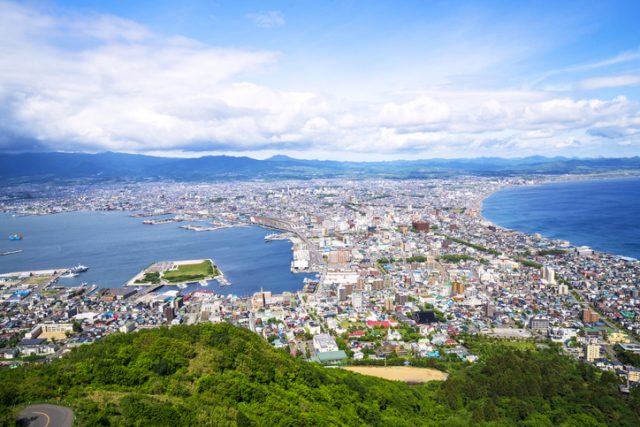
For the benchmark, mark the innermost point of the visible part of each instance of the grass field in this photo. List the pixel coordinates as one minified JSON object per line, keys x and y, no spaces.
{"x":187,"y":272}
{"x":406,"y":374}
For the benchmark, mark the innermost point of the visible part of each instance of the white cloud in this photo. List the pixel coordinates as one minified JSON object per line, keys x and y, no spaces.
{"x":99,"y":83}
{"x":269,"y":19}
{"x":611,"y":81}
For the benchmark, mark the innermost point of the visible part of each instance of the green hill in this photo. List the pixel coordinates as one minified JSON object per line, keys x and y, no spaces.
{"x":216,"y":375}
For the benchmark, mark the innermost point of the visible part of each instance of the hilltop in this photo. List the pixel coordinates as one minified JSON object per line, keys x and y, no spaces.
{"x":47,"y":167}
{"x":223,"y":375}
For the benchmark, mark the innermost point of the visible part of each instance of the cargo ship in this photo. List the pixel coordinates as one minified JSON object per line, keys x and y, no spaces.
{"x":15,"y":237}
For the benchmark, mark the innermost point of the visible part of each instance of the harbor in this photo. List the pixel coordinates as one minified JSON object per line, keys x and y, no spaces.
{"x":101,"y":240}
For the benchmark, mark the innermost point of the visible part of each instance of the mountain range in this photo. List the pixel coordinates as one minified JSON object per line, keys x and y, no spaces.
{"x":109,"y":166}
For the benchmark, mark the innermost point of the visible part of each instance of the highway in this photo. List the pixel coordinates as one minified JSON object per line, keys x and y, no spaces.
{"x":46,"y":416}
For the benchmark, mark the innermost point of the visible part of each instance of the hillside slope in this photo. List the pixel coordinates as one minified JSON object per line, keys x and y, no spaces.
{"x":221,"y":375}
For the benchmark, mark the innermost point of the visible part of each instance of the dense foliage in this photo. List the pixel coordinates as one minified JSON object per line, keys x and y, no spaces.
{"x":222,"y":375}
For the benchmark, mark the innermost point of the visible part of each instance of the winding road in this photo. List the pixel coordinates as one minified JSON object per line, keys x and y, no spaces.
{"x":45,"y":416}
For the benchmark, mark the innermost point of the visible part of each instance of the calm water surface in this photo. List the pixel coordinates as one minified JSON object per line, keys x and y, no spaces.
{"x":116,"y":247}
{"x":602,"y":214}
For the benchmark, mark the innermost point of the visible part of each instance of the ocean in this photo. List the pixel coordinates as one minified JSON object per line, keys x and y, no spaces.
{"x":602,"y":214}
{"x":115,"y":247}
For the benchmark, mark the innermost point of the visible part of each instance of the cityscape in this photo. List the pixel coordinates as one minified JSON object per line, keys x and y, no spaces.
{"x":403,"y":270}
{"x":303,"y":214}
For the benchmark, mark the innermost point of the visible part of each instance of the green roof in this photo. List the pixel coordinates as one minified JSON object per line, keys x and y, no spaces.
{"x":328,"y":356}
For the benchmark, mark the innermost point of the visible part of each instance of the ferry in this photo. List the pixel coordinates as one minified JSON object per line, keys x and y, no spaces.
{"x":222,"y":281}
{"x":182,"y":286}
{"x":204,"y":283}
{"x":15,"y":237}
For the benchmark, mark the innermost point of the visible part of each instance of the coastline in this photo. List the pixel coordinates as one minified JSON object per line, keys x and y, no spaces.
{"x":561,"y":180}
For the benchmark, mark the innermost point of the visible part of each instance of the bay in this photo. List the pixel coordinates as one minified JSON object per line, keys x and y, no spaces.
{"x":115,"y":247}
{"x":602,"y":214}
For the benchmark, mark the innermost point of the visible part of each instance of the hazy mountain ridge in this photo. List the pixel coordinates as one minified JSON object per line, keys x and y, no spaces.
{"x":27,"y":167}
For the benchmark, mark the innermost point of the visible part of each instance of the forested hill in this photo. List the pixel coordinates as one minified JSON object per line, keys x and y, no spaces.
{"x":47,"y":167}
{"x":216,"y":375}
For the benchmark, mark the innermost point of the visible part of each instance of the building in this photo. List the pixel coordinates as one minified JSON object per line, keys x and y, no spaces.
{"x":420,"y":226}
{"x":388,"y":304}
{"x":401,"y":299}
{"x":549,"y":275}
{"x":563,"y":289}
{"x":489,"y":310}
{"x":339,"y":257}
{"x":540,"y":323}
{"x":356,"y":300}
{"x":168,"y":312}
{"x":457,"y":289}
{"x":323,"y":343}
{"x":590,"y":316}
{"x":330,"y":358}
{"x":592,"y":351}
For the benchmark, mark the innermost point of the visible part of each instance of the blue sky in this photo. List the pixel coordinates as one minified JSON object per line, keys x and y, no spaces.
{"x":338,"y":79}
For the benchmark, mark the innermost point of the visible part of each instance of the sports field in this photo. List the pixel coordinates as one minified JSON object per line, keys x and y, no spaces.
{"x":406,"y":374}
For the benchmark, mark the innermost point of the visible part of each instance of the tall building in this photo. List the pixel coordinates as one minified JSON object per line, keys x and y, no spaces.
{"x":590,"y":316}
{"x":563,"y":289}
{"x":489,"y":310}
{"x":400,"y":299}
{"x":549,"y":275}
{"x":592,"y":351}
{"x":356,"y":300}
{"x":457,"y":288}
{"x":388,"y":304}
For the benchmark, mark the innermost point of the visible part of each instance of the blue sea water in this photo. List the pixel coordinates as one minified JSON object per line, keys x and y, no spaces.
{"x":603,"y":214}
{"x":116,"y":247}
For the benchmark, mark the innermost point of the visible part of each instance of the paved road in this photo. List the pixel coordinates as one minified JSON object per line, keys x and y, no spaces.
{"x":46,"y":416}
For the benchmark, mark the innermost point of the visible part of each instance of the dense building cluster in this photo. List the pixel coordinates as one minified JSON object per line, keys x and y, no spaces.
{"x":404,"y":269}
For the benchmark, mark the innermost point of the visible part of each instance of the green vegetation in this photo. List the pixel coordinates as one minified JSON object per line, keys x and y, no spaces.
{"x":627,"y":357}
{"x":150,"y":278}
{"x":472,"y":245}
{"x":455,"y":258}
{"x":417,"y":258}
{"x":214,"y":375}
{"x":529,"y":263}
{"x":553,"y":252}
{"x":187,"y":272}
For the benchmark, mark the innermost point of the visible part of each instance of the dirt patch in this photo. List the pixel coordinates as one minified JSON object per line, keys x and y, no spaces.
{"x":406,"y":374}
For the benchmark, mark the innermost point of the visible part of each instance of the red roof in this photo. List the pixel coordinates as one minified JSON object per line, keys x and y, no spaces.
{"x":374,"y":323}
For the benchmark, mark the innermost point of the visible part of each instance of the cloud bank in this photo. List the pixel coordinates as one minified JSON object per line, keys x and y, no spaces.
{"x":96,"y":83}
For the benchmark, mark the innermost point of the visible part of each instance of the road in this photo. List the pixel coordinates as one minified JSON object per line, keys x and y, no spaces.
{"x":46,"y":416}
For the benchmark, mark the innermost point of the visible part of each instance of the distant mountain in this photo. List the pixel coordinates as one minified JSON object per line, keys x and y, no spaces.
{"x":35,"y":167}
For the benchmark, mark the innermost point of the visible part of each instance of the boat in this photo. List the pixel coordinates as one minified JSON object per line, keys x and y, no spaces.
{"x":222,"y":281}
{"x":15,"y":237}
{"x":11,"y":252}
{"x":182,"y":285}
{"x":69,"y":275}
{"x":79,"y":269}
{"x":204,"y":283}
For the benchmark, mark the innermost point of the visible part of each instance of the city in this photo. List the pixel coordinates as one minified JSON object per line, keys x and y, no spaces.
{"x":405,"y":270}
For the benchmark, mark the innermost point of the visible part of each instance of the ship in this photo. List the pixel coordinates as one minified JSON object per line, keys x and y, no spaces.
{"x":15,"y":237}
{"x":11,"y":252}
{"x":222,"y":281}
{"x":79,"y":269}
{"x":69,"y":275}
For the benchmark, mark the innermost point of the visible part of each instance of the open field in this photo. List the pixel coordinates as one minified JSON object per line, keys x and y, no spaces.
{"x":406,"y":374}
{"x":186,"y":272}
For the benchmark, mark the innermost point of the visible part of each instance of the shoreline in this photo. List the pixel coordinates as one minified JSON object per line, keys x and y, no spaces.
{"x":581,"y":179}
